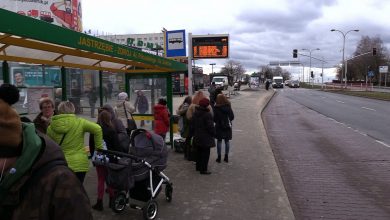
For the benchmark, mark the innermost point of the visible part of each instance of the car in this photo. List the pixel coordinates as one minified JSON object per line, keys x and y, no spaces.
{"x":294,"y":84}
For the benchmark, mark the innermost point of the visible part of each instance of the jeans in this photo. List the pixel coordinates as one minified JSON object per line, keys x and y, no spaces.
{"x":219,"y":145}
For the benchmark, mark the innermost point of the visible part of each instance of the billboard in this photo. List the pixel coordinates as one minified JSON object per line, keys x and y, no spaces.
{"x":210,"y":46}
{"x":65,"y":13}
{"x":176,"y":43}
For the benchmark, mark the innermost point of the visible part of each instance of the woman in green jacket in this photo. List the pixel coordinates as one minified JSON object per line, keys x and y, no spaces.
{"x":68,"y":131}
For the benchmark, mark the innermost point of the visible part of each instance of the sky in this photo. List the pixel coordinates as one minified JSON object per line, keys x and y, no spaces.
{"x":260,"y":31}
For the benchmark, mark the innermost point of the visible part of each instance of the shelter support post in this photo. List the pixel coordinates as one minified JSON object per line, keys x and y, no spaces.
{"x":63,"y":83}
{"x":170,"y":106}
{"x":6,"y":72}
{"x":101,"y":87}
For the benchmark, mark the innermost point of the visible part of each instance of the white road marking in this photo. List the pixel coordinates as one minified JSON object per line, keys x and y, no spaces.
{"x":340,"y":101}
{"x":369,"y":109}
{"x":383,"y":143}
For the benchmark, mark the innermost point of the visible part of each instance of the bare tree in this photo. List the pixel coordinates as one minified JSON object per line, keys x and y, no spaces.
{"x":234,"y":70}
{"x":359,"y":66}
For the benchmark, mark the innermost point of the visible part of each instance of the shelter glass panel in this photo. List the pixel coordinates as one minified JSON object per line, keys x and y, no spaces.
{"x":83,"y":90}
{"x":144,"y":94}
{"x":113,"y":84}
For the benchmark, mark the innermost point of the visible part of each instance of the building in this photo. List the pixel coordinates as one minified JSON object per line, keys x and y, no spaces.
{"x":65,"y":13}
{"x":147,"y":42}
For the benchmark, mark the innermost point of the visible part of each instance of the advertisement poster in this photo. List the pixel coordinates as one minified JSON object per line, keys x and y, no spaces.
{"x":33,"y":76}
{"x":65,"y":13}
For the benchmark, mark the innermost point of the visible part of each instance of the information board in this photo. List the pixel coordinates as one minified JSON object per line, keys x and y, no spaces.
{"x":210,"y":46}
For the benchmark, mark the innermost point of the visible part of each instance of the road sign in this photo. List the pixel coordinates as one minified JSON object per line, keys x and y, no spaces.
{"x":370,"y":73}
{"x":383,"y":69}
{"x":176,"y":43}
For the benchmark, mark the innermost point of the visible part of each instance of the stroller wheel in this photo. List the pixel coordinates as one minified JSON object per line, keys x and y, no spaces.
{"x":150,"y":210}
{"x":119,"y":202}
{"x":168,"y":192}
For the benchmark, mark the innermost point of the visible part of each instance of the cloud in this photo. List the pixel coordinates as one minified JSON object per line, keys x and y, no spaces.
{"x":260,"y":31}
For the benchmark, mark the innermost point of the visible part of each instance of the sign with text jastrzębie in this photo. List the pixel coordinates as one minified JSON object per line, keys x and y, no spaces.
{"x":210,"y":46}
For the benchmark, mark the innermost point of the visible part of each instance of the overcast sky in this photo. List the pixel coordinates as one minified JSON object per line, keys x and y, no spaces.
{"x":260,"y":31}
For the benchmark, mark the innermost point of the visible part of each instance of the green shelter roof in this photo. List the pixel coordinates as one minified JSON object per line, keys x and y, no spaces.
{"x":25,"y":39}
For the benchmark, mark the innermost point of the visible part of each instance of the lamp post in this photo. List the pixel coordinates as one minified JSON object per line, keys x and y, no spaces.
{"x":345,"y":66}
{"x":212,"y":68}
{"x":310,"y":51}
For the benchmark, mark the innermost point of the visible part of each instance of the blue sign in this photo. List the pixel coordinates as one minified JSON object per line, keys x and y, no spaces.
{"x":175,"y":42}
{"x":370,"y":73}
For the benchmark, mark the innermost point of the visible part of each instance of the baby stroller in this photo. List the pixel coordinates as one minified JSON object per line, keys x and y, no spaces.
{"x":138,"y":175}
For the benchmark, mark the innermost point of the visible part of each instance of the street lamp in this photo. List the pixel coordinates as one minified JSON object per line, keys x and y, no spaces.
{"x":310,"y":50}
{"x":345,"y":65}
{"x":212,"y":68}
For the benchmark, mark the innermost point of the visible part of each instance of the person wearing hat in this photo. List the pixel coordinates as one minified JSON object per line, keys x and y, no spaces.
{"x":35,"y":182}
{"x":203,"y":132}
{"x":123,"y":109}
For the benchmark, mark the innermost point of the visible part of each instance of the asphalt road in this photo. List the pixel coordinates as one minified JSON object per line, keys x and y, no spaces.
{"x":329,"y":170}
{"x":367,"y":116}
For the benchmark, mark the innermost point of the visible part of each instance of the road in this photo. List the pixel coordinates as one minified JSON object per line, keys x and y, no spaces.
{"x":367,"y":116}
{"x":330,"y":169}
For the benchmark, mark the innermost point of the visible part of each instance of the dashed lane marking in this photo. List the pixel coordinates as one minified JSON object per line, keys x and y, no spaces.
{"x":369,"y":109}
{"x":340,"y":101}
{"x":383,"y":143}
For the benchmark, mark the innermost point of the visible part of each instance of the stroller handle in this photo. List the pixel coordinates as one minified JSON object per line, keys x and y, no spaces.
{"x":121,"y":154}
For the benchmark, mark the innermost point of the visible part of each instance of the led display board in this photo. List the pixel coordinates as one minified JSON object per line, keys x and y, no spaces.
{"x":210,"y":46}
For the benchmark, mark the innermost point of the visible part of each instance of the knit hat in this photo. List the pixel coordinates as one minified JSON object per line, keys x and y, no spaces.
{"x":204,"y":102}
{"x":10,"y":124}
{"x":122,"y":96}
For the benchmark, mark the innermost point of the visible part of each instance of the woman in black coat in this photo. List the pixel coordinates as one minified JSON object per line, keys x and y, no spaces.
{"x":223,"y":115}
{"x":203,"y":131}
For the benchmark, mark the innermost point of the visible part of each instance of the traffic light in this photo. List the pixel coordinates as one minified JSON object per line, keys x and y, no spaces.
{"x":312,"y":74}
{"x":374,"y":51}
{"x":295,"y":53}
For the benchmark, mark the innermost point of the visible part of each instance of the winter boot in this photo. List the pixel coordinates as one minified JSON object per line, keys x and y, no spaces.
{"x":226,"y":159}
{"x":218,"y":160}
{"x":99,"y":205}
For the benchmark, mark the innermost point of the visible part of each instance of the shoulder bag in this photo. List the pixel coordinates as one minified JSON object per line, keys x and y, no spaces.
{"x":131,"y":125}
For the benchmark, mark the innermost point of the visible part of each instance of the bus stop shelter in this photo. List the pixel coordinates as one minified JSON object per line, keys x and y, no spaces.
{"x":27,"y":41}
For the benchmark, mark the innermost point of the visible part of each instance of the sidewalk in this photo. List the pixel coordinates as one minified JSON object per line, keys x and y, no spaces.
{"x":248,"y":187}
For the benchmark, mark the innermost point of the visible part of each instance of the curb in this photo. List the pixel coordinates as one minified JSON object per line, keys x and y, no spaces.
{"x":282,"y":207}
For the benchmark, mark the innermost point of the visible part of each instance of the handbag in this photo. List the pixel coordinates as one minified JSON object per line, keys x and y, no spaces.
{"x":131,"y":125}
